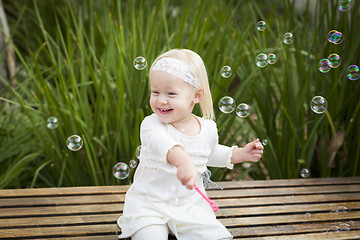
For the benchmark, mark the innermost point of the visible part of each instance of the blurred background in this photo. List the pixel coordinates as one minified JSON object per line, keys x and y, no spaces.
{"x":73,"y":60}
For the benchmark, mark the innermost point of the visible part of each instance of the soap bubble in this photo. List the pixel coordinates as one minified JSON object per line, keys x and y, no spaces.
{"x":344,"y":5}
{"x":121,"y":170}
{"x":353,"y":72}
{"x":227,"y":104}
{"x":261,"y":25}
{"x":264,"y":142}
{"x":243,"y":110}
{"x":324,"y":66}
{"x":271,"y":58}
{"x":74,"y":143}
{"x":342,"y":209}
{"x":344,"y":227}
{"x":133,"y":163}
{"x":335,"y":37}
{"x":140,"y":63}
{"x":319,"y":104}
{"x":332,"y":229}
{"x":261,"y":60}
{"x":52,"y":123}
{"x":226,"y":71}
{"x":138,"y":151}
{"x":334,"y":60}
{"x":304,"y":173}
{"x":288,"y":38}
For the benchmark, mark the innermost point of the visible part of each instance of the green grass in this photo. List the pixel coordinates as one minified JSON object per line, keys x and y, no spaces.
{"x":75,"y":62}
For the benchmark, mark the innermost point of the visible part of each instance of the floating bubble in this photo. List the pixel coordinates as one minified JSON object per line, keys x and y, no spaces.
{"x":52,"y":123}
{"x":140,"y":63}
{"x":227,"y":104}
{"x":304,"y":173}
{"x":74,"y":142}
{"x":243,"y":110}
{"x":319,"y":104}
{"x":271,"y":58}
{"x":133,"y":163}
{"x":121,"y":170}
{"x":264,"y":142}
{"x":308,"y":215}
{"x":138,"y":151}
{"x":344,"y":5}
{"x":342,"y":209}
{"x":334,"y":60}
{"x":261,"y":25}
{"x":226,"y":71}
{"x":288,"y":38}
{"x":324,"y":66}
{"x":353,"y":72}
{"x":261,"y":60}
{"x":335,"y":37}
{"x":332,"y":229}
{"x":344,"y":227}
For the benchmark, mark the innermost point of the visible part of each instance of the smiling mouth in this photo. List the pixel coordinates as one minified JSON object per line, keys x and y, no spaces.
{"x":163,"y":110}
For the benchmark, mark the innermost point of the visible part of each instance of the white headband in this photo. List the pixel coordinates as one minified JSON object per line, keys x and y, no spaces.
{"x":177,"y":68}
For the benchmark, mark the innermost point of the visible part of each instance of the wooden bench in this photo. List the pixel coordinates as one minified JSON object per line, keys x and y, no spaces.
{"x":273,"y":209}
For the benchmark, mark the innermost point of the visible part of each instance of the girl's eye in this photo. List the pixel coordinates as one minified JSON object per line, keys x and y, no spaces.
{"x":155,"y":92}
{"x":172,"y":93}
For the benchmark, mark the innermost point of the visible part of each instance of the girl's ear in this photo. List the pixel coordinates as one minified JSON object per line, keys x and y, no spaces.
{"x":199,"y":94}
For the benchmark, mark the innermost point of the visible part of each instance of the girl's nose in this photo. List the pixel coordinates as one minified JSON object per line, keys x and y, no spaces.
{"x":163,"y":100}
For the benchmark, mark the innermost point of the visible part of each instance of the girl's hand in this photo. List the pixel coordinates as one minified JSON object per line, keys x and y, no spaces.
{"x":187,"y":174}
{"x":252,"y":152}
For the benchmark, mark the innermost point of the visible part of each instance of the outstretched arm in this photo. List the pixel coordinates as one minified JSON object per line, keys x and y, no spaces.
{"x":251,"y":152}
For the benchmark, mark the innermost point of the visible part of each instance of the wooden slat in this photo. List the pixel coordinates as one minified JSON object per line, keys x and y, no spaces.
{"x":58,"y":201}
{"x":117,"y":199}
{"x":54,"y":192}
{"x":122,"y":189}
{"x":101,"y":229}
{"x":278,"y":230}
{"x":116,"y":208}
{"x":311,"y":236}
{"x":284,"y":191}
{"x":290,"y":182}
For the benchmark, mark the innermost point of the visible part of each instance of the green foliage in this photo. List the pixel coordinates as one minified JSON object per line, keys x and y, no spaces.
{"x":76,"y":58}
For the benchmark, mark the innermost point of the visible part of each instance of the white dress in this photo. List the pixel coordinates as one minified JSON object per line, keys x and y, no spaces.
{"x":157,"y":196}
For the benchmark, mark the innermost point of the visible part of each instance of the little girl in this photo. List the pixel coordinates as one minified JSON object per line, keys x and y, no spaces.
{"x":176,"y":147}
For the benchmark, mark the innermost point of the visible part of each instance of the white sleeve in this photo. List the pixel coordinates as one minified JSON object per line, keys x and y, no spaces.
{"x":153,"y":135}
{"x":220,"y":155}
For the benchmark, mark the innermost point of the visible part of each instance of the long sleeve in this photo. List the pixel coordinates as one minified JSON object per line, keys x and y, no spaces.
{"x":153,"y":135}
{"x":221,"y":157}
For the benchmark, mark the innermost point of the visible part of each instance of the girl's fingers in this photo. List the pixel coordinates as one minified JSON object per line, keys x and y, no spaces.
{"x":256,"y":157}
{"x":260,"y":152}
{"x":258,"y":145}
{"x":190,"y":184}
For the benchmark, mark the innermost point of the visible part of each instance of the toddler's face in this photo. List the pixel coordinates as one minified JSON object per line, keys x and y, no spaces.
{"x":172,"y":99}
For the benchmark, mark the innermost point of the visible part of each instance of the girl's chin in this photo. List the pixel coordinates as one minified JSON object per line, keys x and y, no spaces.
{"x":163,"y":119}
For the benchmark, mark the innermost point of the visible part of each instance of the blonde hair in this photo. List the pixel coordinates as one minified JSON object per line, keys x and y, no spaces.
{"x":198,"y":68}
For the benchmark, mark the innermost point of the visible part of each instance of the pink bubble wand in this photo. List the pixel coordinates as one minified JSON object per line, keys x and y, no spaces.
{"x":213,"y":204}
